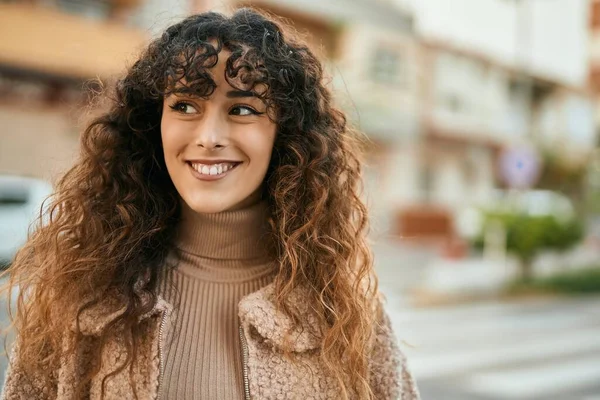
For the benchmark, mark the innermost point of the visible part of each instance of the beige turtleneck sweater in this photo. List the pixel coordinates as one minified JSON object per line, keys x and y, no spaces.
{"x":223,"y":257}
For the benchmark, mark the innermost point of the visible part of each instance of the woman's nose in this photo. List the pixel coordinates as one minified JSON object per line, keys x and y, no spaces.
{"x":211,"y":131}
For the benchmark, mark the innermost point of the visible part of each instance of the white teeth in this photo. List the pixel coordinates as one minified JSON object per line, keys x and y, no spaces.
{"x":213,"y":169}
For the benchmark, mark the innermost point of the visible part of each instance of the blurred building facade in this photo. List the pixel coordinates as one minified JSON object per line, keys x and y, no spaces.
{"x":439,"y":92}
{"x":499,"y":76}
{"x":48,"y":51}
{"x":478,"y":108}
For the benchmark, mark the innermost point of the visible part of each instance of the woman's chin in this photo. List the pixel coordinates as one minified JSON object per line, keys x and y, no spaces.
{"x":209,"y":206}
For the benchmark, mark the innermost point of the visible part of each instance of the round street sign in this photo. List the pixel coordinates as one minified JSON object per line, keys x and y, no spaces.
{"x":520,"y":167}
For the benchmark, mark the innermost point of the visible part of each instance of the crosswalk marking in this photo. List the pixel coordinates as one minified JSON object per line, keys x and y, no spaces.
{"x":538,"y":381}
{"x":490,"y":330}
{"x":485,"y":310}
{"x":458,"y":360}
{"x":505,"y":350}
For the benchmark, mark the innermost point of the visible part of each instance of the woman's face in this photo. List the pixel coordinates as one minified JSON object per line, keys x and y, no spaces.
{"x":217,"y":150}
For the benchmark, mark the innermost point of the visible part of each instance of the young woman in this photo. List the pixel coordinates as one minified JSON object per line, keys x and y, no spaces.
{"x":209,"y":242}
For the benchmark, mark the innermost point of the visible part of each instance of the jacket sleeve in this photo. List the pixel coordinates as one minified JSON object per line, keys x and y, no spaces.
{"x":390,"y":376}
{"x":18,"y":385}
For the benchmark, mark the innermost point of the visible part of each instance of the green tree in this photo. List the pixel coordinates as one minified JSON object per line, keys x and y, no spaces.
{"x":527,"y":235}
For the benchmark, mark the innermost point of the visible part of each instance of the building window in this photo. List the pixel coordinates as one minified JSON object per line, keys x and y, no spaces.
{"x":388,"y":67}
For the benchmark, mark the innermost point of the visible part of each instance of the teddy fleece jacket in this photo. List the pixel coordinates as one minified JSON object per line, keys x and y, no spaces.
{"x":268,"y":374}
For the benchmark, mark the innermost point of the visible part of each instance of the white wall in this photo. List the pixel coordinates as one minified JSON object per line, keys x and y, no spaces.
{"x":36,"y":141}
{"x":156,"y":15}
{"x":471,"y":97}
{"x":387,"y":110}
{"x":579,"y":116}
{"x":463,"y":179}
{"x":391,"y":183}
{"x":567,"y":120}
{"x":449,"y":185}
{"x":558,"y":47}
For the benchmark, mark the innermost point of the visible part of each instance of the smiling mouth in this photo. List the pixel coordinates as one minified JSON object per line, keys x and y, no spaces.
{"x":213,"y":169}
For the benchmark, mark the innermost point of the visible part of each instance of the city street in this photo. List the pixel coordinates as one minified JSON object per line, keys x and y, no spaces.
{"x":527,"y":349}
{"x":534,"y":349}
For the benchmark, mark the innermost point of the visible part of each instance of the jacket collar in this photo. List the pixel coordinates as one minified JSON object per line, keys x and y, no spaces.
{"x":94,"y":319}
{"x":256,"y":310}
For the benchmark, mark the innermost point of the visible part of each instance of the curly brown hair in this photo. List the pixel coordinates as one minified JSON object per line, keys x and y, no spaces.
{"x":113,"y":217}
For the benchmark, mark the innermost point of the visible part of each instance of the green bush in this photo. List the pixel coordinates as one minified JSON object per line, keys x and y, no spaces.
{"x":527,"y":235}
{"x":572,"y":282}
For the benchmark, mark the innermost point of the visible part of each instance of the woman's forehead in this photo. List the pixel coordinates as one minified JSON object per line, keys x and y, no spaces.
{"x":215,"y":73}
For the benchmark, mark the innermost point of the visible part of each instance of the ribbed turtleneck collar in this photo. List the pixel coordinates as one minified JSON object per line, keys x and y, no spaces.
{"x":228,"y":235}
{"x":225,"y":246}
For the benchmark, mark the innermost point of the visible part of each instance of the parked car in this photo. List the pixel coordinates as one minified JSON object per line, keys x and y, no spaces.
{"x":20,"y":202}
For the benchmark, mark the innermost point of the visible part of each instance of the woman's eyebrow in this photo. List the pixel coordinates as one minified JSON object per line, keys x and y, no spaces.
{"x":233,"y":94}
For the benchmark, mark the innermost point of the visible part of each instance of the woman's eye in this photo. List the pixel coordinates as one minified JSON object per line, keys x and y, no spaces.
{"x":243,"y":110}
{"x":184,"y":108}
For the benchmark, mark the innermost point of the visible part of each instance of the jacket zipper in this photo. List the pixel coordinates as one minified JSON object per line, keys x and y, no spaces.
{"x":161,"y":359}
{"x":245,"y":364}
{"x":160,"y":355}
